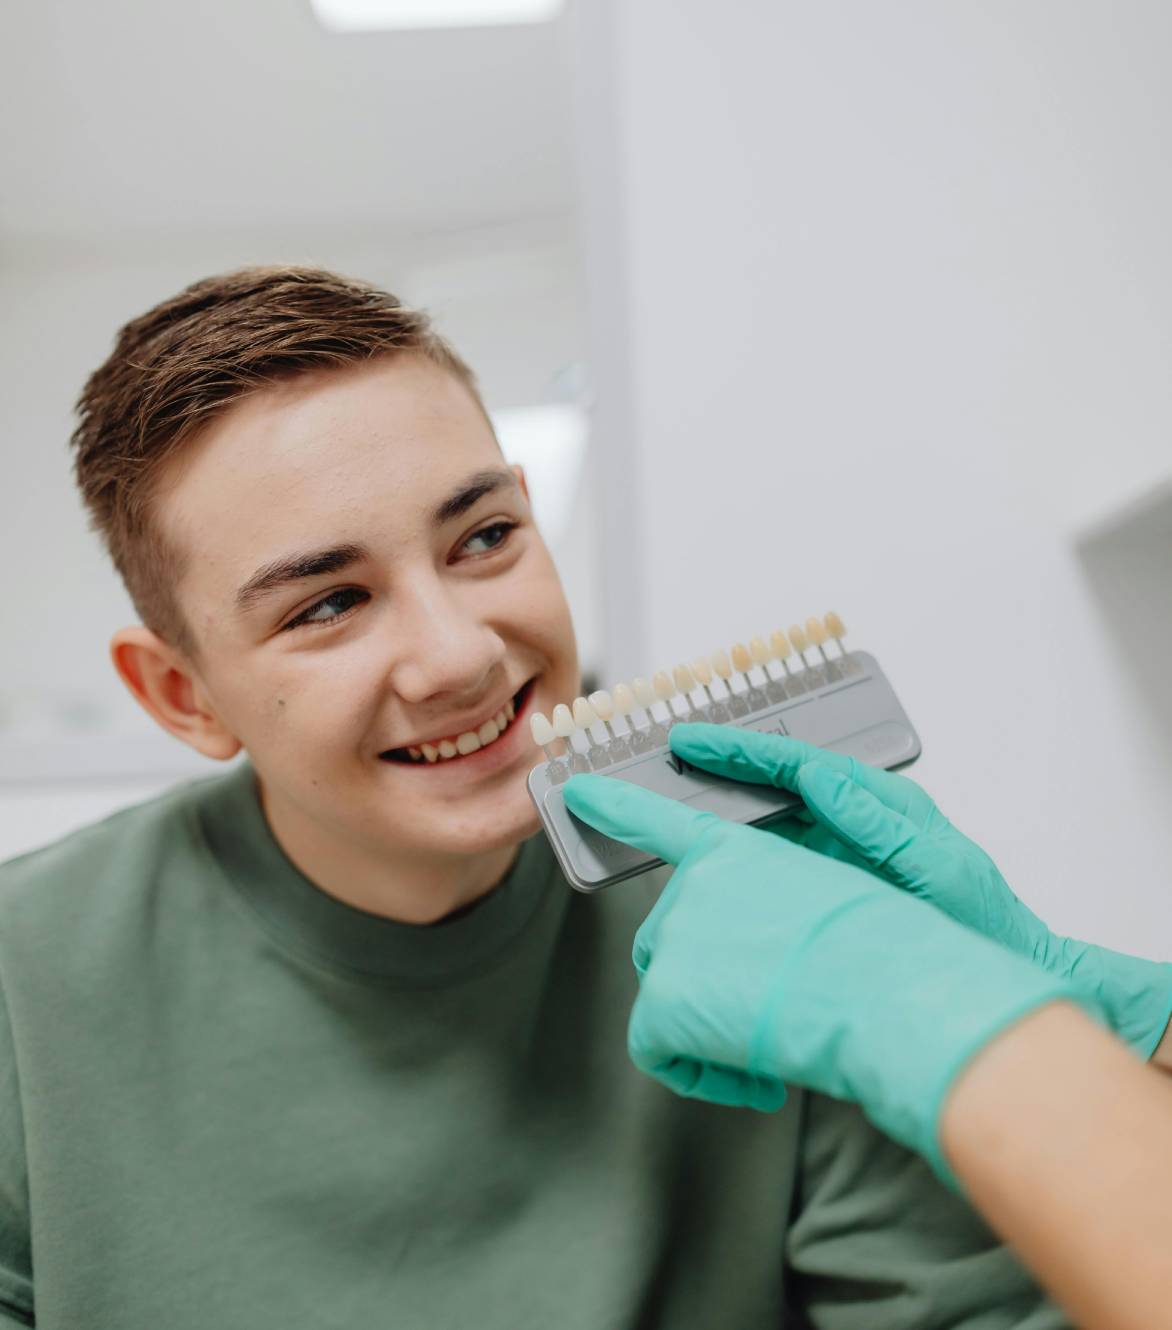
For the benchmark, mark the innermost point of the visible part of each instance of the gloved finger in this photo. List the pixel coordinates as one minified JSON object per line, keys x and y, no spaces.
{"x":887,"y":842}
{"x":627,"y":812}
{"x":775,"y":759}
{"x":694,"y":1078}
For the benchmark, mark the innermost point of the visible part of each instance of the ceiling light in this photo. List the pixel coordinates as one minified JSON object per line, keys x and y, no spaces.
{"x":378,"y":15}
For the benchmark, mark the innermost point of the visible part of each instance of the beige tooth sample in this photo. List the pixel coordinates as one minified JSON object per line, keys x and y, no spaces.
{"x":487,"y":732}
{"x":466,"y":743}
{"x":741,"y":659}
{"x":643,"y":694}
{"x":430,"y":752}
{"x":664,"y":688}
{"x":624,"y":699}
{"x":780,"y":644}
{"x":797,"y":636}
{"x":816,"y":631}
{"x":602,"y":704}
{"x":563,"y":721}
{"x":702,"y":669}
{"x":541,"y":730}
{"x":583,"y":714}
{"x":721,"y":665}
{"x":447,"y":748}
{"x":684,"y":679}
{"x":759,"y":651}
{"x":834,"y":625}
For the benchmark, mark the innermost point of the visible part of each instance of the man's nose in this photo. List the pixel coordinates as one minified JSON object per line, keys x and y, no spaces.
{"x":441,"y":647}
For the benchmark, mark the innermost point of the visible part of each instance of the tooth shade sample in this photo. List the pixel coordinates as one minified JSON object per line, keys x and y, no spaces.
{"x":563,"y":721}
{"x":834,"y":625}
{"x":780,"y":644}
{"x":741,"y":659}
{"x":643,"y":694}
{"x":664,"y":689}
{"x":468,"y":742}
{"x":720,"y":664}
{"x":816,"y":631}
{"x":487,"y":732}
{"x":683,"y":679}
{"x":602,"y":704}
{"x":703,"y":671}
{"x":798,"y":637}
{"x":758,"y":650}
{"x":624,"y":699}
{"x":448,"y":749}
{"x":583,"y":713}
{"x":541,"y":730}
{"x":430,"y":752}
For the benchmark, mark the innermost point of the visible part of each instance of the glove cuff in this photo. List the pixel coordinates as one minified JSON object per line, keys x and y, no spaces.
{"x":1134,"y":994}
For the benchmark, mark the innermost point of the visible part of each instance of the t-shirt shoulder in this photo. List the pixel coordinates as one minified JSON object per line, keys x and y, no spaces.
{"x":117,"y":854}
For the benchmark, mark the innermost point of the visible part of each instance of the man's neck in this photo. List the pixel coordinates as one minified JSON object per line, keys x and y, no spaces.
{"x":410,"y":889}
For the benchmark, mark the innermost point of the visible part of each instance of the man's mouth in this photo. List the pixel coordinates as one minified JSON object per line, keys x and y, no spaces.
{"x":451,"y":747}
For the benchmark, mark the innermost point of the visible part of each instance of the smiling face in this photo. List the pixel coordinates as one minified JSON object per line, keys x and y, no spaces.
{"x":364,"y":577}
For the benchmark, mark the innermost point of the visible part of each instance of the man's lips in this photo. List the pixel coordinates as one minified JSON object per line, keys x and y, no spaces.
{"x":466,"y":741}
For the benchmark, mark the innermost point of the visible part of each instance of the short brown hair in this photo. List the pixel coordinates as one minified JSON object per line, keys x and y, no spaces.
{"x":178,"y":366}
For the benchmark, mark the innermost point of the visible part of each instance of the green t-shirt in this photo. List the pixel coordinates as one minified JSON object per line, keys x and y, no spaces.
{"x":229,"y":1100}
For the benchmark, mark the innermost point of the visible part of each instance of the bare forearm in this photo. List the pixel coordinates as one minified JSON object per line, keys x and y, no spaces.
{"x":1063,"y":1141}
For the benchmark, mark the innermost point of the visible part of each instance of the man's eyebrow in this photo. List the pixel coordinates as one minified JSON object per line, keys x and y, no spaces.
{"x":471,"y":491}
{"x":296,"y":568}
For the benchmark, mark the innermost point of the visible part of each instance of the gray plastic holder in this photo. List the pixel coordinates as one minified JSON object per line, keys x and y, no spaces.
{"x":854,"y":711}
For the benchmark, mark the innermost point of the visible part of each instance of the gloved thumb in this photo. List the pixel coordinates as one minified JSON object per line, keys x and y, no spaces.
{"x":628,"y":812}
{"x":886,"y":841}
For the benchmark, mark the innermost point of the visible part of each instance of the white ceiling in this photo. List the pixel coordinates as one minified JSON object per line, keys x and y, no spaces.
{"x":127,"y":116}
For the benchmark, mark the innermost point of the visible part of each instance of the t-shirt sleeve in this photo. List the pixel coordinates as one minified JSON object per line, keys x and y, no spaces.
{"x":16,"y":1283}
{"x":877,"y":1241}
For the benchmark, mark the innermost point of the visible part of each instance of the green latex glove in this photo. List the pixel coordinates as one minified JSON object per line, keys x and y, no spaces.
{"x":890,"y":825}
{"x":763,"y":962}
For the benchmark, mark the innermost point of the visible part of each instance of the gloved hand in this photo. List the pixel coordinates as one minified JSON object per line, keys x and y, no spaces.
{"x":763,"y":962}
{"x":890,"y":825}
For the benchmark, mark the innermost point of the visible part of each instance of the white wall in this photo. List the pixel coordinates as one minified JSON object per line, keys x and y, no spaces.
{"x":900,"y":302}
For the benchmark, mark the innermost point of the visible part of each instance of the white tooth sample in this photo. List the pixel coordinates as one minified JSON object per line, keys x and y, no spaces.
{"x":664,"y":688}
{"x":780,"y":644}
{"x":414,"y":752}
{"x":541,"y":730}
{"x":563,"y":721}
{"x":834,"y":625}
{"x":741,"y":659}
{"x":583,"y":714}
{"x":797,"y":636}
{"x":602,"y":704}
{"x":643,"y":694}
{"x":468,"y":742}
{"x":487,"y":732}
{"x":703,"y":671}
{"x":758,"y":650}
{"x":721,"y":666}
{"x":624,"y":699}
{"x":501,"y":720}
{"x":430,"y":751}
{"x":816,"y":631}
{"x":447,"y":748}
{"x":684,"y":679}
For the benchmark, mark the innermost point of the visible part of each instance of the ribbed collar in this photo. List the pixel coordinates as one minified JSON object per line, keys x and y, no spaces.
{"x":353,"y":941}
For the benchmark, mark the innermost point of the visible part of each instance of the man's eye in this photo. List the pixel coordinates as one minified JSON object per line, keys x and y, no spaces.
{"x":331,"y":608}
{"x":489,"y":537}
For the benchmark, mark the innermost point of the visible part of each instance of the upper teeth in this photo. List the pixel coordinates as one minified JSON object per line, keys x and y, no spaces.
{"x":468,"y":742}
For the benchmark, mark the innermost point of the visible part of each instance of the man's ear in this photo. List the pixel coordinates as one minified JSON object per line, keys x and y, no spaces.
{"x":165,"y":686}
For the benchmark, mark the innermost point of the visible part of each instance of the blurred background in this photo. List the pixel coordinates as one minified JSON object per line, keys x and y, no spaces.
{"x":785,"y":307}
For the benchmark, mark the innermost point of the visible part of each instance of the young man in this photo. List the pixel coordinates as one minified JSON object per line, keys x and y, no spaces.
{"x":327,"y":1041}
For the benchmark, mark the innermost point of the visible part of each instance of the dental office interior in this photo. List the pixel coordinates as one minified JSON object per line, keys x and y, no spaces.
{"x":784,"y":309}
